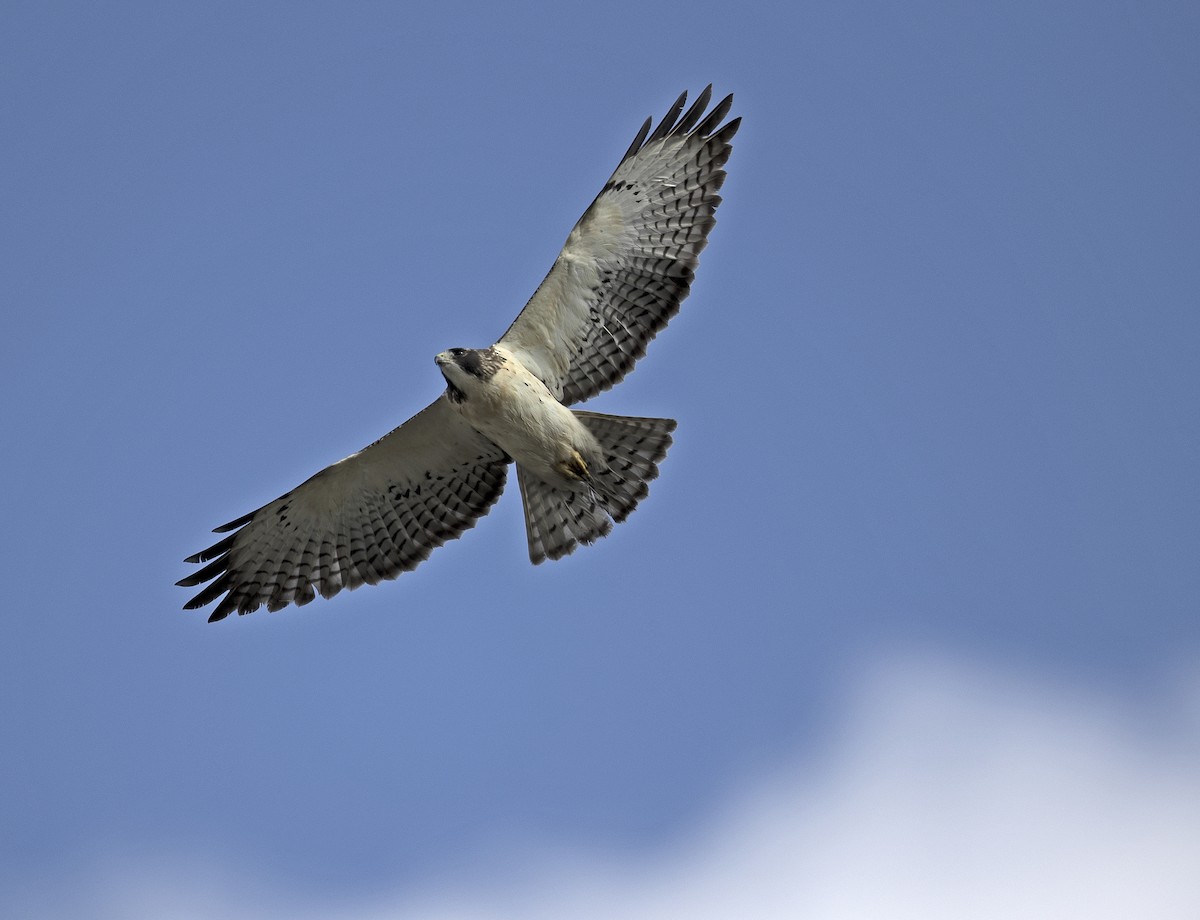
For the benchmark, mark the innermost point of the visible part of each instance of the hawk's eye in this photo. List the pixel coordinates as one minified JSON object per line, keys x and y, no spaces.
{"x":458,"y":352}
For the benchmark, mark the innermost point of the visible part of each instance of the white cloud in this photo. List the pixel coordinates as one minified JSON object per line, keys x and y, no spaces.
{"x":953,"y":793}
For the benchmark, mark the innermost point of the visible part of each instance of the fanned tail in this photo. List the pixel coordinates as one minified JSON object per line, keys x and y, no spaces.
{"x":558,"y":520}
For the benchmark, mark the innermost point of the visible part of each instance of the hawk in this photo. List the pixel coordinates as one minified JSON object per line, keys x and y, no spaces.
{"x":619,"y":279}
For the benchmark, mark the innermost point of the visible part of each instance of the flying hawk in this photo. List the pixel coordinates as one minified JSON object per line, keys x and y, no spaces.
{"x":620,"y":277}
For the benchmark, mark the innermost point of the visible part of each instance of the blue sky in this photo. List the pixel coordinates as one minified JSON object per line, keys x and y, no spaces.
{"x":926,"y":543}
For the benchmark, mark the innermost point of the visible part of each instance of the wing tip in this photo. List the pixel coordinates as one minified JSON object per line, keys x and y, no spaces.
{"x":677,"y":123}
{"x":638,"y":140}
{"x":240,"y":522}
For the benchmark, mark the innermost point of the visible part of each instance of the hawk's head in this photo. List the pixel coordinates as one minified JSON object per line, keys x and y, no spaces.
{"x":467,"y":368}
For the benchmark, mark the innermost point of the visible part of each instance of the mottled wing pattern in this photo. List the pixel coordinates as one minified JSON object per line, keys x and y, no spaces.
{"x":377,"y":513}
{"x":631,"y":258}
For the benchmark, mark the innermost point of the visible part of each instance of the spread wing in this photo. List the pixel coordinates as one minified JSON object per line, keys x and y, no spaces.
{"x":630,"y":259}
{"x":377,"y":513}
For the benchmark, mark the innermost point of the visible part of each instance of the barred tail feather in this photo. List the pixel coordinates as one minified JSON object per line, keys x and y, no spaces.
{"x":558,"y":520}
{"x":633,"y":448}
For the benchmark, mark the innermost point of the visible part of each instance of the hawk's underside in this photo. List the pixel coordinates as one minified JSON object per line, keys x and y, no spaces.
{"x":618,"y":280}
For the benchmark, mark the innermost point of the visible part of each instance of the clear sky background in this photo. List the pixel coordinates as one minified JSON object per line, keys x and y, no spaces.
{"x":908,"y":626}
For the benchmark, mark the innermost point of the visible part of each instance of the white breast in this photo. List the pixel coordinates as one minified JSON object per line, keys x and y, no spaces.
{"x":516,"y":411}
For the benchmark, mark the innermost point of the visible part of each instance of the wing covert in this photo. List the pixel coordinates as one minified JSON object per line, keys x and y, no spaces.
{"x":630,"y":260}
{"x":369,"y":517}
